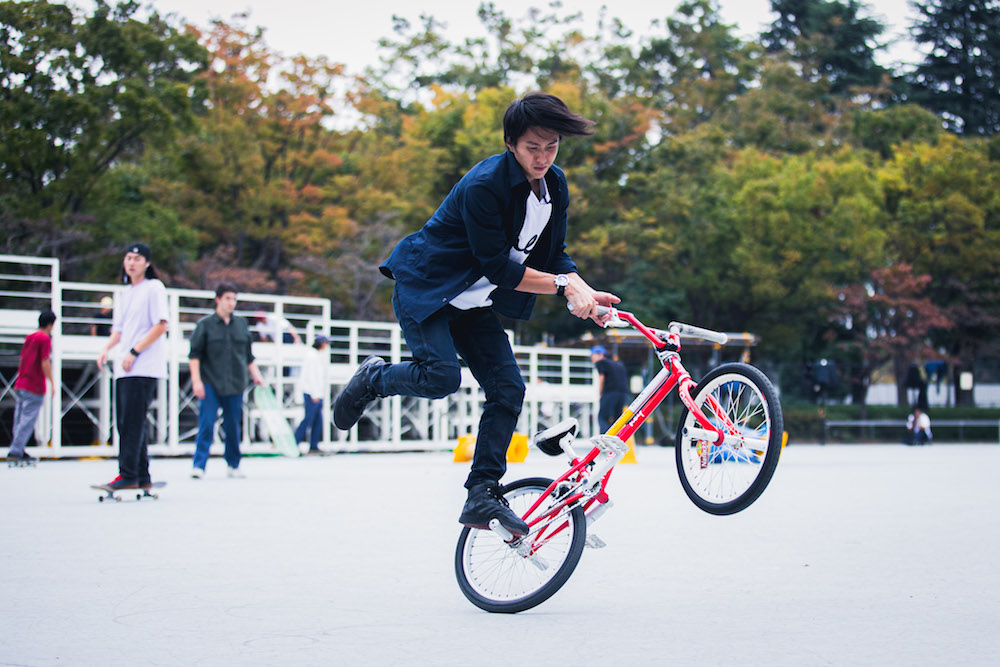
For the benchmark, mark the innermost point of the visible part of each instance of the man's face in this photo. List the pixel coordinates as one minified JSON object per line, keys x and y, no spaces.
{"x":535,"y":151}
{"x":225,"y":304}
{"x":135,"y":266}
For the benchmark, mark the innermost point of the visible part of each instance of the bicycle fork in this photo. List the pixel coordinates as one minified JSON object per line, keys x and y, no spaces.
{"x":583,"y":483}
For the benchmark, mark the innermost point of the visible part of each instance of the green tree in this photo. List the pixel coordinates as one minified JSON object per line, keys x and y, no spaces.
{"x":882,"y":130}
{"x":959,"y":78}
{"x":889,"y":317}
{"x":943,"y":200}
{"x":695,"y":69}
{"x":784,"y":230}
{"x":830,"y":39}
{"x":80,"y":95}
{"x":784,"y":113}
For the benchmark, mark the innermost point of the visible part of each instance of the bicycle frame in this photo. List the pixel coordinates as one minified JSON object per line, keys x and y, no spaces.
{"x":610,"y":447}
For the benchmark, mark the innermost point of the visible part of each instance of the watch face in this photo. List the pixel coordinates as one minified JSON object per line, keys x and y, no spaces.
{"x":561,"y":281}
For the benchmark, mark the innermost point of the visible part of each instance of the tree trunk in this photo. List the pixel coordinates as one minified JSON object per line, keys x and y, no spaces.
{"x":900,"y":366}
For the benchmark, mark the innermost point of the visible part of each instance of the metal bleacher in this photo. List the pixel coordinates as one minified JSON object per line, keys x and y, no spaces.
{"x":78,"y":421}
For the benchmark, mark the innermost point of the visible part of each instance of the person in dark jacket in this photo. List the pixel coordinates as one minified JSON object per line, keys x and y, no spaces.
{"x":497,"y":241}
{"x":612,"y":386}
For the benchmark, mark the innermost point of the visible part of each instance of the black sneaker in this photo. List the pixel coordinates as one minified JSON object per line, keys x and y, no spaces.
{"x":356,"y":395}
{"x":485,"y":502}
{"x":24,"y":459}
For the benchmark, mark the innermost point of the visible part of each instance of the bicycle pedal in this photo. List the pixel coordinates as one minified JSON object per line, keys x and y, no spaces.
{"x":594,"y":542}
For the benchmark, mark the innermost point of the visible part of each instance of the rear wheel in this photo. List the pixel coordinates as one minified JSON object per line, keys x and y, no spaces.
{"x":500,"y":577}
{"x":728,"y":478}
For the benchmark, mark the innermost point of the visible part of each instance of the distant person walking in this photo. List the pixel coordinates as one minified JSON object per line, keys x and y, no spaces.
{"x":220,"y":360}
{"x":312,"y":382}
{"x":33,"y":369}
{"x":138,"y":324}
{"x":613,"y":385}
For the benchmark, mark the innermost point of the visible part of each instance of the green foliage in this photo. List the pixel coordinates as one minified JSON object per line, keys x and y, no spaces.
{"x":959,"y":78}
{"x":830,"y":39}
{"x":82,"y":94}
{"x":733,"y":184}
{"x":881,"y":130}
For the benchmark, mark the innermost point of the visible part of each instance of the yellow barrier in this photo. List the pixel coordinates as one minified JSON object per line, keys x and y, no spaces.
{"x":517,"y":450}
{"x":464,"y":448}
{"x":630,"y":454}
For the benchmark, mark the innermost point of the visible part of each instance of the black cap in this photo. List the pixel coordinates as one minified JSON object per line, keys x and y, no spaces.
{"x":142,"y":249}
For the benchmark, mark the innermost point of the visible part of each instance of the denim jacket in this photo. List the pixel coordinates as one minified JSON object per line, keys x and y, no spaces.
{"x":470,"y":236}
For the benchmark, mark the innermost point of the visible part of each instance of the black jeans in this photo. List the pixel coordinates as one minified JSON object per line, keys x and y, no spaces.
{"x":610,"y":408}
{"x":133,"y":396}
{"x":478,"y":336}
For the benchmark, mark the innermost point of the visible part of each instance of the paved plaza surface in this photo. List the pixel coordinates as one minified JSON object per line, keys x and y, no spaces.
{"x":855,"y":555}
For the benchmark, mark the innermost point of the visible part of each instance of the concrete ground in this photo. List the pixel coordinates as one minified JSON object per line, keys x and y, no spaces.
{"x":855,"y":555}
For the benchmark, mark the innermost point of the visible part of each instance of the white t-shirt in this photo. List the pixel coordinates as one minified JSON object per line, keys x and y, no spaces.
{"x":312,"y":381}
{"x":923,"y":424}
{"x":137,"y":309}
{"x":536,"y":217}
{"x":272,"y":328}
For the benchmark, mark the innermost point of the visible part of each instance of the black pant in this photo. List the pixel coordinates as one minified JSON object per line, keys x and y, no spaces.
{"x":610,"y":408}
{"x":133,"y":396}
{"x":478,"y":336}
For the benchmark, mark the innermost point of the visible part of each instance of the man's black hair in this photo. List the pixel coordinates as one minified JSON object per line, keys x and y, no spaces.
{"x":225,"y":288}
{"x":545,"y":111}
{"x":46,"y":318}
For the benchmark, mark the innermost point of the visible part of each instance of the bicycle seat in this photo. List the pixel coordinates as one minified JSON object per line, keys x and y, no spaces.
{"x":549,"y":440}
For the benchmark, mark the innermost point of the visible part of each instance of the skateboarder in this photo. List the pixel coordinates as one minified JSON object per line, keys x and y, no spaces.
{"x":33,"y":369}
{"x":138,"y":323}
{"x":220,"y":359}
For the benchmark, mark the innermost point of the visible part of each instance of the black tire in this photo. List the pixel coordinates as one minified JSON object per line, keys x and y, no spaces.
{"x":728,"y":479}
{"x":497,"y":578}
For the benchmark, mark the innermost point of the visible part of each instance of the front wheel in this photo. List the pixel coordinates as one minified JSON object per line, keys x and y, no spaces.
{"x":508,"y":578}
{"x":727,"y":478}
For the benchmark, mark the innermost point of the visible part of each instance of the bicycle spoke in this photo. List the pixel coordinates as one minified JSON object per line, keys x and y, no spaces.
{"x":498,"y":576}
{"x":726,"y":477}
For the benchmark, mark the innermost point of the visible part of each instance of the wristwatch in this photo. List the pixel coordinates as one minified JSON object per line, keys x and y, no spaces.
{"x":561,"y":282}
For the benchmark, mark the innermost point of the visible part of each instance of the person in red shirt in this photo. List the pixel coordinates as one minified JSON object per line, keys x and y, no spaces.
{"x":33,"y":369}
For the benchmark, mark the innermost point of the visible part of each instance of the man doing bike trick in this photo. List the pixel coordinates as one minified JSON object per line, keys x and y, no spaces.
{"x":496,"y":241}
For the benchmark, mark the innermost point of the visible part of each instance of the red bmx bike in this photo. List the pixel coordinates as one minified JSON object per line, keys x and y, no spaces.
{"x":728,"y":442}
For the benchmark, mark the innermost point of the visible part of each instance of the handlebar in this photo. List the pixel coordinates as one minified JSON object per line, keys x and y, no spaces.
{"x":678,"y":328}
{"x":682,"y":329}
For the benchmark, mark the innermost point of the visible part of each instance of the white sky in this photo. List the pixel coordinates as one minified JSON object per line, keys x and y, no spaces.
{"x":348,"y":32}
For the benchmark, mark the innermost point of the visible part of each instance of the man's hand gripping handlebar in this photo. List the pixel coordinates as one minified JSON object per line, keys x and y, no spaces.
{"x":609,"y":318}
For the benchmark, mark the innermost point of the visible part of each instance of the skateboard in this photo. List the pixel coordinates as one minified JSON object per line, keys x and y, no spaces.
{"x":278,"y":430}
{"x":18,"y":463}
{"x":114,"y":494}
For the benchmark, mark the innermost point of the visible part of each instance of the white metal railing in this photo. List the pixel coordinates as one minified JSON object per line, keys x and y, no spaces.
{"x":79,"y":420}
